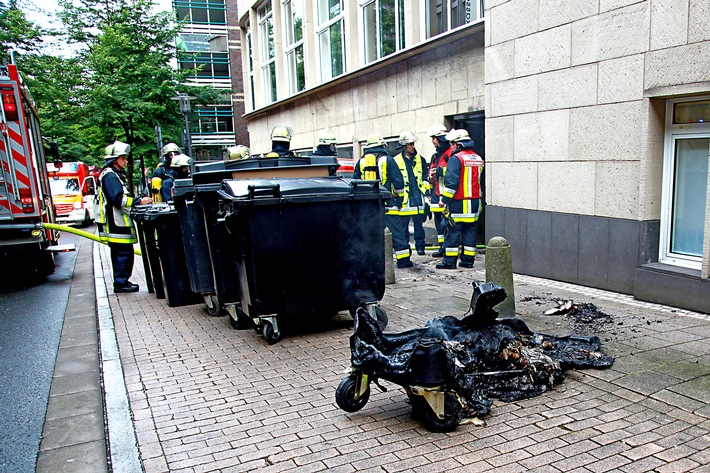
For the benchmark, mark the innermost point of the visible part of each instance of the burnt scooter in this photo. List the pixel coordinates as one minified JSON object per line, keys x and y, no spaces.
{"x":418,"y":361}
{"x":452,"y":367}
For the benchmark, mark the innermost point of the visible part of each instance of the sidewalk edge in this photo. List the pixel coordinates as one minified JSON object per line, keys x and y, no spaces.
{"x":122,"y":443}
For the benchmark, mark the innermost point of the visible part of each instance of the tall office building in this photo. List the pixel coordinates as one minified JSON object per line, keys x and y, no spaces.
{"x":205,"y":49}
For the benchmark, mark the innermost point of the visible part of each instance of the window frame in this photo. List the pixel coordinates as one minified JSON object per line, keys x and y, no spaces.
{"x":674,"y":133}
{"x":292,"y":46}
{"x":322,"y":30}
{"x":197,"y":5}
{"x":448,"y":6}
{"x":266,"y":39}
{"x":378,"y":38}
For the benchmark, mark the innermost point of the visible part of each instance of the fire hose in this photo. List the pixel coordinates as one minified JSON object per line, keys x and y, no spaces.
{"x":81,"y":233}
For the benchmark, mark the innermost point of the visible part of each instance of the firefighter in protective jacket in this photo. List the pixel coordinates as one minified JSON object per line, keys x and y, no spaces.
{"x":159,"y":175}
{"x":377,"y":165}
{"x":115,"y":224}
{"x":461,"y":199}
{"x":281,"y":142}
{"x":437,"y":171}
{"x":416,"y":186}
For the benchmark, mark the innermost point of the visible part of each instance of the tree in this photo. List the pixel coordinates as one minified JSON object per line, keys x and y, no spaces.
{"x":119,"y":84}
{"x":16,"y":32}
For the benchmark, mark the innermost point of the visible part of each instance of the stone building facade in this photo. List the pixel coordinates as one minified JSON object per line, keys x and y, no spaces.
{"x":591,"y":116}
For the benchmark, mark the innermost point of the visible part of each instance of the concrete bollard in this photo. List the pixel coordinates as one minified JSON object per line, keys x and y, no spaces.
{"x":389,"y":259}
{"x":499,"y":270}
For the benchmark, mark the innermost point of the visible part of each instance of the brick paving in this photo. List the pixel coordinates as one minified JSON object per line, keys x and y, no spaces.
{"x":205,"y":397}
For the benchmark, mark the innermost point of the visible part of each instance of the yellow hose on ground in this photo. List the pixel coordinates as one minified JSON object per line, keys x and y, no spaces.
{"x":81,"y":233}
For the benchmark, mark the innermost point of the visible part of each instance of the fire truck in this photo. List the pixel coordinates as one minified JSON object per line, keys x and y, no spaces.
{"x":25,"y":197}
{"x":73,"y":190}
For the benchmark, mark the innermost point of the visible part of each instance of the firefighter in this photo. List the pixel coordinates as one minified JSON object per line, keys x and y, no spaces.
{"x":179,"y":169}
{"x":326,"y":144}
{"x":461,"y":200}
{"x":115,"y":224}
{"x":163,"y":169}
{"x":376,"y":164}
{"x":437,"y":171}
{"x":235,"y":153}
{"x":281,"y":142}
{"x":416,"y":186}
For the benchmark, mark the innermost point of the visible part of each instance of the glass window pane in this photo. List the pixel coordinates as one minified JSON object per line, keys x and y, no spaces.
{"x":300,"y":70}
{"x":199,"y":15}
{"x":217,"y":16}
{"x":387,"y":27}
{"x":272,"y":81}
{"x":370,"y":33}
{"x":689,"y":196}
{"x":436,"y":19}
{"x":691,"y":112}
{"x":336,"y":45}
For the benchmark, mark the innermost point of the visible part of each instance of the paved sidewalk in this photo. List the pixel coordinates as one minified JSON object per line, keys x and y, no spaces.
{"x":206,"y":397}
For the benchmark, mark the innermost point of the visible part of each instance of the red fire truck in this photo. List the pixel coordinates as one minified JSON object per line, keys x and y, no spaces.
{"x":25,"y":197}
{"x":73,"y":190}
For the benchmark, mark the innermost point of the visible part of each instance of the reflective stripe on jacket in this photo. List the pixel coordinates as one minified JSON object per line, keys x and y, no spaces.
{"x":421,"y":184}
{"x":462,"y":185}
{"x":115,"y":223}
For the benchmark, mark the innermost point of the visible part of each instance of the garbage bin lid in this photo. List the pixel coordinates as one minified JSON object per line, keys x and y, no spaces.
{"x":182,"y":187}
{"x":285,"y":187}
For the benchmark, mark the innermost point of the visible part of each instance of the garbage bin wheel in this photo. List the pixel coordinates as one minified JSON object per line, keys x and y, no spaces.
{"x":267,"y":330}
{"x":452,"y":415}
{"x":214,"y":307}
{"x":380,"y":313}
{"x":345,"y":395}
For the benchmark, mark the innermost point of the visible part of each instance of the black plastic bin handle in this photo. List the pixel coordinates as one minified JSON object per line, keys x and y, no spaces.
{"x":367,"y":185}
{"x":264,"y":190}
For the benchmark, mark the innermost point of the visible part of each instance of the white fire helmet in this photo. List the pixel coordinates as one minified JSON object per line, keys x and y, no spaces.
{"x":327,"y":137}
{"x":407,"y":138}
{"x":374,"y":140}
{"x":436,"y":130}
{"x":171,"y":148}
{"x":458,"y":135}
{"x":116,"y":149}
{"x":179,"y":161}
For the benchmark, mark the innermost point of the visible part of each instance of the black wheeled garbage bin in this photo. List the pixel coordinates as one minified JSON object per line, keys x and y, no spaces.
{"x":172,"y":257}
{"x":195,"y":244}
{"x":206,"y":181}
{"x":145,"y":228}
{"x":306,"y":246}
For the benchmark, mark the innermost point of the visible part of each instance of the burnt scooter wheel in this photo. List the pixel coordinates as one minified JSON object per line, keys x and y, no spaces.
{"x":380,"y":314}
{"x":452,"y":415}
{"x":345,"y":395}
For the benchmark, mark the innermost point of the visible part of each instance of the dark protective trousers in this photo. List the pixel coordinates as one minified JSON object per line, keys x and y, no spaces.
{"x":419,"y":235}
{"x":400,"y":240}
{"x":122,"y":262}
{"x":461,"y":234}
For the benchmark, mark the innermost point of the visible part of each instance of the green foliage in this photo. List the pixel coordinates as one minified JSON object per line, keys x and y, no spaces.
{"x":16,"y":32}
{"x":117,"y":86}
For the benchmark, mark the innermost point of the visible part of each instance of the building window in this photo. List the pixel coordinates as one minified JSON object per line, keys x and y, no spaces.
{"x":215,"y":119}
{"x":383,"y":28}
{"x":445,"y":15}
{"x":265,"y":16}
{"x":250,"y":66}
{"x":685,"y":182}
{"x":293,"y":26}
{"x":330,"y":38}
{"x":205,"y":12}
{"x":206,"y":65}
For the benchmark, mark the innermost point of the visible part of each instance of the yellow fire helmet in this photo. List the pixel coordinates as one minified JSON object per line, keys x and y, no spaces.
{"x":238,"y":152}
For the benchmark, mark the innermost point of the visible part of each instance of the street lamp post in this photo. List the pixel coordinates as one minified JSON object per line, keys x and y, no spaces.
{"x":184,"y":100}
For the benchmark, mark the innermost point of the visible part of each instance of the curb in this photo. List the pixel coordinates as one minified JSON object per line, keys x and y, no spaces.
{"x":122,"y":444}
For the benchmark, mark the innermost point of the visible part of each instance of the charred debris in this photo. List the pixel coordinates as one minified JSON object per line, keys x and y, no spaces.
{"x":452,"y":368}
